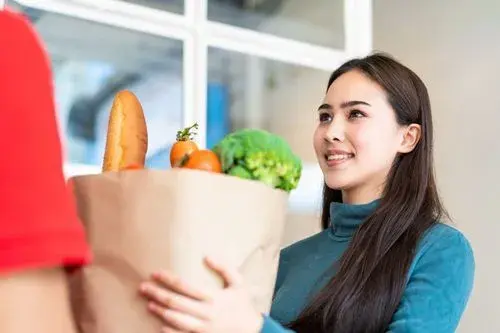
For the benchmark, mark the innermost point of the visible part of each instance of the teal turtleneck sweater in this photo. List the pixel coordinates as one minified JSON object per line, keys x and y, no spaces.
{"x":439,"y":282}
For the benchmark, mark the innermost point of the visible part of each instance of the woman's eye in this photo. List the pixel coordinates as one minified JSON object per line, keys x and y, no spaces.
{"x":324,"y":117}
{"x":356,"y":114}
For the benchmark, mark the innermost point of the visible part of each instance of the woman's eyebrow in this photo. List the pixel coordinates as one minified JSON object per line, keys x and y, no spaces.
{"x":352,"y":103}
{"x":325,"y":106}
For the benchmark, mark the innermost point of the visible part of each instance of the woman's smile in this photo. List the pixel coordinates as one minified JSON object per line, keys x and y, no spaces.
{"x":336,"y":157}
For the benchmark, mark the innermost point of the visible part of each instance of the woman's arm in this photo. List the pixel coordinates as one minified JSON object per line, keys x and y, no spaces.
{"x":439,"y":285}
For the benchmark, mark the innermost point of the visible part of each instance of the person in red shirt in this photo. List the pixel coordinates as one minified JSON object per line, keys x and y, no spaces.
{"x":40,"y":234}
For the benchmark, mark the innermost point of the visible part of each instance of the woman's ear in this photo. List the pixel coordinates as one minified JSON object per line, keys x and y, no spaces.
{"x":411,"y":136}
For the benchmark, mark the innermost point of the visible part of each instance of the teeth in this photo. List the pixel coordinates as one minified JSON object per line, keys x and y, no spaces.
{"x":338,"y":157}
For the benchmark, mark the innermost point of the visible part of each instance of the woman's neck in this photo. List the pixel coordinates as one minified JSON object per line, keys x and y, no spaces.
{"x":361,"y":195}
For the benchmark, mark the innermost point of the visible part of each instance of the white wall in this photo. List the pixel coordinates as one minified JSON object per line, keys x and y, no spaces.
{"x":453,"y":45}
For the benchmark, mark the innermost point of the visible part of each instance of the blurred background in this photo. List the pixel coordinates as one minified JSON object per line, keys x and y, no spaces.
{"x":231,"y":64}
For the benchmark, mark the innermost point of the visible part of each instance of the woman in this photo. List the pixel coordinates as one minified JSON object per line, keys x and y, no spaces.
{"x":40,"y":233}
{"x":384,"y":262}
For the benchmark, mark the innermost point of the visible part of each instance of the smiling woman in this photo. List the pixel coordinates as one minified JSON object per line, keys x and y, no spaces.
{"x":359,"y":135}
{"x":395,"y":266}
{"x":385,"y":261}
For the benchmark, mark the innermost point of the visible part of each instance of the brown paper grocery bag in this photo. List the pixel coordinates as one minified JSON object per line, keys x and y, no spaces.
{"x":139,"y":222}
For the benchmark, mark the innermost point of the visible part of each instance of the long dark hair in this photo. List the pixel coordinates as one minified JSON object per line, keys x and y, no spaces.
{"x":372,"y":273}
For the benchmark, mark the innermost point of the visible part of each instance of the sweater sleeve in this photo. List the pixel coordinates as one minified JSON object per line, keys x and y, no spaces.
{"x":438,"y":288}
{"x":272,"y":326}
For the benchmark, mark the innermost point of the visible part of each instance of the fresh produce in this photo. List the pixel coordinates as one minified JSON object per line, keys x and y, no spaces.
{"x":203,"y":159}
{"x":259,"y":155}
{"x":251,"y":154}
{"x":184,"y":146}
{"x":186,"y":154}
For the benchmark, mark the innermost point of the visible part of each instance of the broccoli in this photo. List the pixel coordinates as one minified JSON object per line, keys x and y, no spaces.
{"x":259,"y":155}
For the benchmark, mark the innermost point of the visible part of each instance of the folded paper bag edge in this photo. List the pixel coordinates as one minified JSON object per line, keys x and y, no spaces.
{"x":228,"y":180}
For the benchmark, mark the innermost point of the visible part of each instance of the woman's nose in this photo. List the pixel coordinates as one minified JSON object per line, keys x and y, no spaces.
{"x":336,"y":131}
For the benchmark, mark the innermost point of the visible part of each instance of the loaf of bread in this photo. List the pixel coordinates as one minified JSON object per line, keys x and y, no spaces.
{"x":127,"y":137}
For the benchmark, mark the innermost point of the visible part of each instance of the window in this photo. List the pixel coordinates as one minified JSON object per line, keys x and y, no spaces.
{"x":174,"y":6}
{"x":225,"y":64}
{"x":319,"y":22}
{"x":91,"y":62}
{"x":250,"y":91}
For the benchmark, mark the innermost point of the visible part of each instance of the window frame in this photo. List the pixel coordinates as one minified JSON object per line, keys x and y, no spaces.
{"x":198,"y":34}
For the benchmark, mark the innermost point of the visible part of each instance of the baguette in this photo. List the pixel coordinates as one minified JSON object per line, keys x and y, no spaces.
{"x":127,"y":137}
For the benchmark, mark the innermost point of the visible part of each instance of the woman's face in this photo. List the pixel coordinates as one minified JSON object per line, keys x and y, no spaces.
{"x":358,"y":137}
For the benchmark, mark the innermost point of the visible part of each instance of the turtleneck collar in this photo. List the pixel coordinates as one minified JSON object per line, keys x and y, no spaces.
{"x":346,"y":218}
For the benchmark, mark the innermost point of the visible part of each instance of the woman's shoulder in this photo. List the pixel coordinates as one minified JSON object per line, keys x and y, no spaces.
{"x":439,"y":283}
{"x":445,"y":235}
{"x":444,"y":243}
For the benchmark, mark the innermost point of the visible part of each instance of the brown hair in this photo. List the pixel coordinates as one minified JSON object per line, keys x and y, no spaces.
{"x":371,"y":275}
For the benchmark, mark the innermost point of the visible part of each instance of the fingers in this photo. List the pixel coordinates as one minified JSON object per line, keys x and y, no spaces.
{"x":177,"y":321}
{"x":174,"y":301}
{"x":231,"y":277}
{"x":177,"y":285}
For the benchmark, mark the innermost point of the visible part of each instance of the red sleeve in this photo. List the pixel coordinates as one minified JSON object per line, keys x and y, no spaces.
{"x":38,"y":222}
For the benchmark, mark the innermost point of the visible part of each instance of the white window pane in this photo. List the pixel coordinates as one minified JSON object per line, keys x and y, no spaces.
{"x":249,"y":91}
{"x":174,"y":6}
{"x":318,"y":22}
{"x":91,"y":63}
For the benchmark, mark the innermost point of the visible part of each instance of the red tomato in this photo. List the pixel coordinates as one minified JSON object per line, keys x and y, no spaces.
{"x":204,"y":160}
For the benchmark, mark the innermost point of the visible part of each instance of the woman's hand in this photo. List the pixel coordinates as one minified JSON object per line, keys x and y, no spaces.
{"x":185,"y":308}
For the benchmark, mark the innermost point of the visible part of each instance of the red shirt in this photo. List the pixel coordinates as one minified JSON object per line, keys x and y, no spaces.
{"x":38,"y":222}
